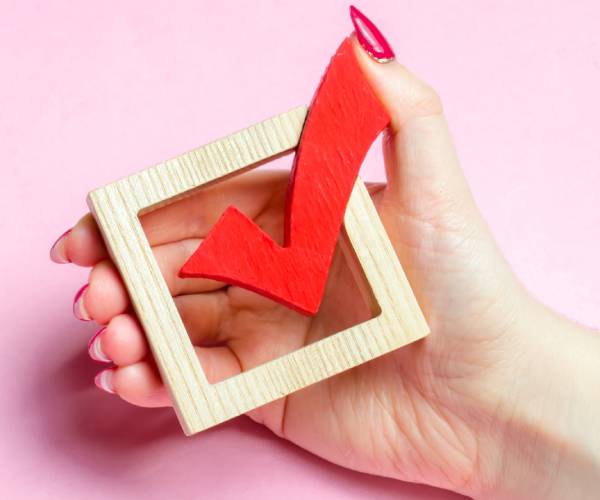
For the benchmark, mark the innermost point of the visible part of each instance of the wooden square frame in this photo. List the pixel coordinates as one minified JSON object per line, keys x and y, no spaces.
{"x":198,"y":403}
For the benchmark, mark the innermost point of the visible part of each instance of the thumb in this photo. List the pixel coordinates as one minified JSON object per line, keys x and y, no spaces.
{"x":445,"y":246}
{"x":423,"y":173}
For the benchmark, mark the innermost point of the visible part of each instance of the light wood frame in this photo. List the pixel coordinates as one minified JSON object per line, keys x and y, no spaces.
{"x":198,"y":403}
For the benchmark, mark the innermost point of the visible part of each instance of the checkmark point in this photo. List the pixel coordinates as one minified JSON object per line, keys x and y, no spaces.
{"x":239,"y":252}
{"x":344,"y":119}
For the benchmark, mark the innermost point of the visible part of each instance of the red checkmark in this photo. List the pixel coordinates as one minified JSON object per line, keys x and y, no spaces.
{"x":344,"y":119}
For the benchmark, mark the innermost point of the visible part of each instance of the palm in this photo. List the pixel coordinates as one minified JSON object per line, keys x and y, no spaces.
{"x":400,"y":398}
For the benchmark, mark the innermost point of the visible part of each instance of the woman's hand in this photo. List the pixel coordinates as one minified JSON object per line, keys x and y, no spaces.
{"x":481,"y":406}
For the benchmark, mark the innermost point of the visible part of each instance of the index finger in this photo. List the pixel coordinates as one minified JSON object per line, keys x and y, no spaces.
{"x":190,"y":217}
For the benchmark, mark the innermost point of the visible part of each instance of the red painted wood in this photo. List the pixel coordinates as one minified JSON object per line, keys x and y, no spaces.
{"x":344,"y":119}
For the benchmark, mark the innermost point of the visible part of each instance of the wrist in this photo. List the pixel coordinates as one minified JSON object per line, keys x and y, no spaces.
{"x":543,"y":437}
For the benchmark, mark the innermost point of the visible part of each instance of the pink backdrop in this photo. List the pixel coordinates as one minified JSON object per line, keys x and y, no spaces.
{"x":92,"y":91}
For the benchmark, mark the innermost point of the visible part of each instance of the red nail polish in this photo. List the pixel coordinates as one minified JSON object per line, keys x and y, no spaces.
{"x":57,"y":252}
{"x":95,"y":348}
{"x":370,"y":38}
{"x":79,"y":310}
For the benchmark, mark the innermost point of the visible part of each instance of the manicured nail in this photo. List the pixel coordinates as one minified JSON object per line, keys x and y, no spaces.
{"x":58,"y":252}
{"x":370,"y":38}
{"x":104,"y":381}
{"x":95,"y":347}
{"x":78,"y":306}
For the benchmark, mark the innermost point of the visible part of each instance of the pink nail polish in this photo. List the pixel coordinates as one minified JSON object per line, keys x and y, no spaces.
{"x":95,"y":347}
{"x":370,"y":38}
{"x":58,"y":252}
{"x":79,"y":310}
{"x":104,"y":381}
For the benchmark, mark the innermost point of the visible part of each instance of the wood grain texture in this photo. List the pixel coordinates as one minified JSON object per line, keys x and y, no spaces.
{"x":198,"y":403}
{"x":344,"y":119}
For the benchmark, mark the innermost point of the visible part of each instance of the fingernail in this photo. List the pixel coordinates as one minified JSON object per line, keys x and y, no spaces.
{"x":58,"y":252}
{"x":78,"y":306}
{"x":95,"y":347}
{"x":370,"y":38}
{"x":104,"y":381}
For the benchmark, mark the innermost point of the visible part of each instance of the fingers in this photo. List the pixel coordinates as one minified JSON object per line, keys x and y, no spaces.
{"x":105,"y":296}
{"x":188,"y":219}
{"x":105,"y":299}
{"x":140,"y":383}
{"x":194,"y":216}
{"x":404,"y":96}
{"x":81,"y":245}
{"x":122,"y":341}
{"x":422,"y":168}
{"x":135,"y":377}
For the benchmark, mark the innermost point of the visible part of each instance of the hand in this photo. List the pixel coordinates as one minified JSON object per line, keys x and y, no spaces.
{"x":446,"y":410}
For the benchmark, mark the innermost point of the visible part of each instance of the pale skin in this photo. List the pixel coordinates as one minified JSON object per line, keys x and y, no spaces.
{"x":499,"y":401}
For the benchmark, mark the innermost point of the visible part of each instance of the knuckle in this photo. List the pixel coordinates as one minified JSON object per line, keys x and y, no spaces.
{"x":426,"y":101}
{"x":418,"y":99}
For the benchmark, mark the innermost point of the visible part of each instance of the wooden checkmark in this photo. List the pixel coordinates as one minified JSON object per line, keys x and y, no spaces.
{"x":344,"y":119}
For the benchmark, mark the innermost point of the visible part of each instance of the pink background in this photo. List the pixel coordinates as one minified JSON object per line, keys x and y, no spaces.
{"x":92,"y":91}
